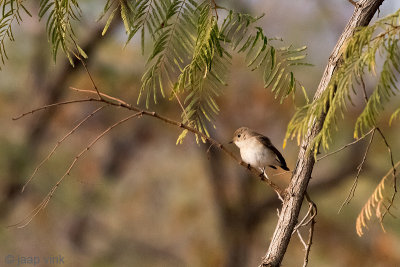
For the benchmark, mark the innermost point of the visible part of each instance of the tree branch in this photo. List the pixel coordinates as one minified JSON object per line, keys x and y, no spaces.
{"x":113,"y":101}
{"x":363,"y":13}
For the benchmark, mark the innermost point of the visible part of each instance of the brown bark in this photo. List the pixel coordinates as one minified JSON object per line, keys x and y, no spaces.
{"x":363,"y":13}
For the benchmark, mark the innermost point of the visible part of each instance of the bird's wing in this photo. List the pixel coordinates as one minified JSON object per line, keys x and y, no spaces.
{"x":265,"y":140}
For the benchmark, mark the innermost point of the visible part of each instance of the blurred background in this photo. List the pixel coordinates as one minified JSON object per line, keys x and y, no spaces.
{"x":136,"y":198}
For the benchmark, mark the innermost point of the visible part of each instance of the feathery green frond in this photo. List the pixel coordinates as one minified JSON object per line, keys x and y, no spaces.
{"x":10,"y":13}
{"x":274,"y":63}
{"x":147,"y":16}
{"x":385,"y":89}
{"x":359,"y":56}
{"x":205,"y":74}
{"x":172,"y":49}
{"x":394,"y":116}
{"x":60,"y":33}
{"x":190,"y":57}
{"x":110,"y":4}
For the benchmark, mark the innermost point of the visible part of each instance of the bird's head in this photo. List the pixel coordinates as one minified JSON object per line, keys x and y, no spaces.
{"x":240,"y":135}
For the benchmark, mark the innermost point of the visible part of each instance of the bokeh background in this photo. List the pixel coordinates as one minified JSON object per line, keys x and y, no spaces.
{"x":136,"y":198}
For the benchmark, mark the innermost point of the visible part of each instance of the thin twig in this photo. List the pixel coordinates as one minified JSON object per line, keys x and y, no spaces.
{"x":359,"y":168}
{"x":309,"y":218}
{"x":181,"y":105}
{"x":46,"y":200}
{"x":215,"y":8}
{"x":309,"y":242}
{"x":53,"y":105}
{"x":390,"y":154}
{"x":302,"y":222}
{"x":58,"y":144}
{"x":266,"y":179}
{"x":311,"y":213}
{"x":88,"y":73}
{"x":311,"y":231}
{"x":301,"y":239}
{"x":102,"y":94}
{"x":347,"y":145}
{"x":393,"y":174}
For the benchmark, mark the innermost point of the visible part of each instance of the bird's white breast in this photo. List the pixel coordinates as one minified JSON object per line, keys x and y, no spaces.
{"x":253,"y":152}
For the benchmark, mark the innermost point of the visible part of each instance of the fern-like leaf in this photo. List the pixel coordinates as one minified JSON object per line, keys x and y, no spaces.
{"x":10,"y":13}
{"x":205,"y":75}
{"x":377,"y":204}
{"x":394,"y":116}
{"x":60,"y":33}
{"x":172,"y":49}
{"x":275,"y":63}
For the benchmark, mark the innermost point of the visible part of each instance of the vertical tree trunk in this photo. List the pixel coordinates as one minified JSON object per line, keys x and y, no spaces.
{"x":363,"y":13}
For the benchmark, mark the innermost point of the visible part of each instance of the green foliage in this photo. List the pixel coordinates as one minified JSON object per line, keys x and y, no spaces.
{"x":59,"y":28}
{"x":191,"y":56}
{"x":359,"y":56}
{"x":191,"y":50}
{"x":275,"y":64}
{"x":203,"y":77}
{"x":10,"y":13}
{"x":172,"y":49}
{"x":394,"y":116}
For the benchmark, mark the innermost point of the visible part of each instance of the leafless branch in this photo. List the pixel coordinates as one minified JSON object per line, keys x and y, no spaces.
{"x":359,"y":169}
{"x":46,"y":200}
{"x":87,"y":71}
{"x":101,"y":94}
{"x":58,"y":144}
{"x":215,"y":8}
{"x":264,"y":177}
{"x":301,"y":239}
{"x":307,"y":218}
{"x":387,"y":210}
{"x":311,"y":231}
{"x":53,"y":105}
{"x":309,"y":242}
{"x":390,"y":155}
{"x":347,"y":145}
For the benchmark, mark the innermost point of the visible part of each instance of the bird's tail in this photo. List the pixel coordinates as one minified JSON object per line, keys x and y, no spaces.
{"x":283,"y":166}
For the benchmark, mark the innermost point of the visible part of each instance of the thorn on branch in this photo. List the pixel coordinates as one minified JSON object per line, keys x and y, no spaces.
{"x":354,"y":3}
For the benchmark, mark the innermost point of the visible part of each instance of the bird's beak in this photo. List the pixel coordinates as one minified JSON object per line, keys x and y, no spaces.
{"x":231,"y":142}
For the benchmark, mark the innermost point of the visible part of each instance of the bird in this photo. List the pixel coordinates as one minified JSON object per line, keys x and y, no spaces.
{"x":257,"y":150}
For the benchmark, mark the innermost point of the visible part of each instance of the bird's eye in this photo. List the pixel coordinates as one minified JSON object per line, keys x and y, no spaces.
{"x":239,"y":135}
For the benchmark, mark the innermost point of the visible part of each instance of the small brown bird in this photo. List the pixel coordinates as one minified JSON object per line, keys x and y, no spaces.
{"x":257,"y":150}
